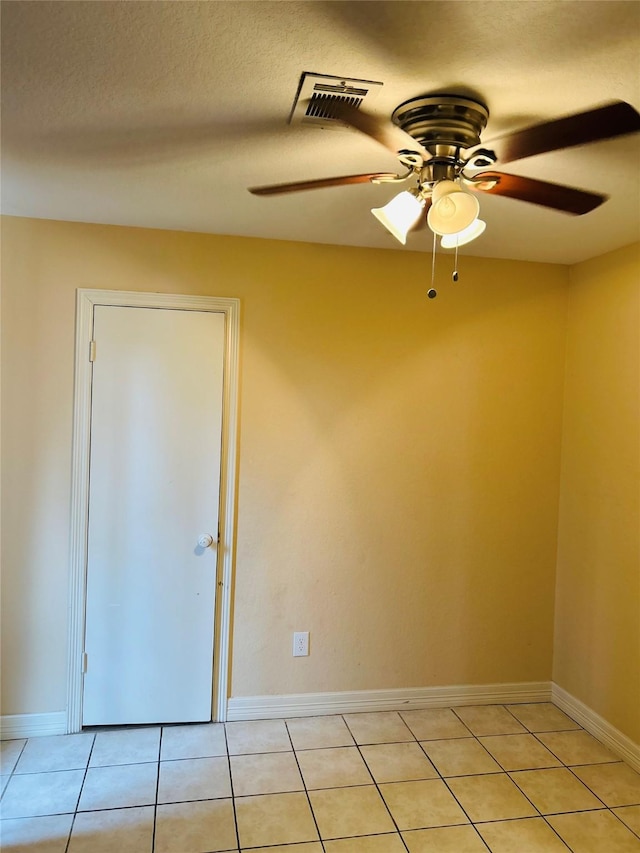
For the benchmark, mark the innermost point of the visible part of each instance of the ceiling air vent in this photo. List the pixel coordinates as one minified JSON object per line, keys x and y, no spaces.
{"x":317,"y":92}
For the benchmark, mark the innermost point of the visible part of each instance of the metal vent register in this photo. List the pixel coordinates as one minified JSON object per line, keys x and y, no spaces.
{"x":317,"y":92}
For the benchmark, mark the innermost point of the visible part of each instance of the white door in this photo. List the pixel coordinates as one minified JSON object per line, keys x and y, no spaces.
{"x":156,"y":419}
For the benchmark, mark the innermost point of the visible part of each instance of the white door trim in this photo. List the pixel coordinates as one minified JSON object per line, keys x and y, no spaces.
{"x":85,"y":301}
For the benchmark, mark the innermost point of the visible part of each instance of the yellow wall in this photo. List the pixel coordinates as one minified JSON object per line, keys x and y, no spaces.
{"x":399,"y":457}
{"x":597,"y":653}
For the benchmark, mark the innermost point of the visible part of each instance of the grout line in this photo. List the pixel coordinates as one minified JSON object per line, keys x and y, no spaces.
{"x":554,"y":830}
{"x":155,"y":805}
{"x":576,"y":811}
{"x":544,"y":817}
{"x":15,"y":764}
{"x":613,"y":760}
{"x":380,"y":794}
{"x":233,"y":797}
{"x":92,"y":767}
{"x":582,"y":782}
{"x":84,"y":779}
{"x":443,"y":779}
{"x":610,"y":809}
{"x":513,"y":780}
{"x":304,"y":784}
{"x":462,"y":808}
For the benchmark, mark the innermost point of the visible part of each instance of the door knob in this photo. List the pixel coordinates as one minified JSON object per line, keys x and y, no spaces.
{"x":205,"y":540}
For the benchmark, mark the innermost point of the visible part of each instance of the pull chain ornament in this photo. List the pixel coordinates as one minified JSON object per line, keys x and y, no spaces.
{"x":432,"y":292}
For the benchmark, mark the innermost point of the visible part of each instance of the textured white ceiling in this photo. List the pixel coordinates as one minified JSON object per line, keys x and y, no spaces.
{"x":161,"y":114}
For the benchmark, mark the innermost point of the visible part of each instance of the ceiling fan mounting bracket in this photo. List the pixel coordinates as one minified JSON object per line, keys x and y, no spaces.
{"x":443,"y":124}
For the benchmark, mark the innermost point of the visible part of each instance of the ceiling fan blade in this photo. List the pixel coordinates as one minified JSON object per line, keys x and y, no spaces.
{"x":556,"y":196}
{"x":383,"y":131}
{"x":320,"y":183}
{"x":615,"y":119}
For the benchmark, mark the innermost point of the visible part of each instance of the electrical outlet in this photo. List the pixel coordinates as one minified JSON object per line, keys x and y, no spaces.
{"x":300,"y":644}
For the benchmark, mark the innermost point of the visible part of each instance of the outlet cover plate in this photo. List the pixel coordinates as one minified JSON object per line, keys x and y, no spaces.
{"x":300,"y":644}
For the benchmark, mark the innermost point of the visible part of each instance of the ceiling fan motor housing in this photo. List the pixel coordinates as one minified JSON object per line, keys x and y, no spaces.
{"x":443,"y":124}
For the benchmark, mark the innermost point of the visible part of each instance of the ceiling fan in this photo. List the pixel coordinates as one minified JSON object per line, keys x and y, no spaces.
{"x":437,"y":140}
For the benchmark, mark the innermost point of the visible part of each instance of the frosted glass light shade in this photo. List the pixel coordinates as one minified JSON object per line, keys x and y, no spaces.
{"x":400,"y":214}
{"x":450,"y":241}
{"x":452,"y":210}
{"x":443,"y":188}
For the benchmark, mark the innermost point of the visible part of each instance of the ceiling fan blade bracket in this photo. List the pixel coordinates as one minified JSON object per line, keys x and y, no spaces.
{"x":410,"y":158}
{"x":392,"y":179}
{"x":482,"y":158}
{"x":484,"y":182}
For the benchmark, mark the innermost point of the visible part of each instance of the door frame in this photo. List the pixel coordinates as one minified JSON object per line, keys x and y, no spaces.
{"x":86,"y":299}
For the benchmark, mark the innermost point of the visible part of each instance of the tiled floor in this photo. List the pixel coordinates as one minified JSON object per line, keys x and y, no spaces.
{"x":510,"y":779}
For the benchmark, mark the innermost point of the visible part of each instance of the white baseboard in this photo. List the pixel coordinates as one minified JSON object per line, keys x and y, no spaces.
{"x":318,"y":704}
{"x":14,"y":726}
{"x":596,"y":725}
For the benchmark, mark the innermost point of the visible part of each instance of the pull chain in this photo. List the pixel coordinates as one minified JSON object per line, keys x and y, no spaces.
{"x":454,"y":277}
{"x":432,"y":292}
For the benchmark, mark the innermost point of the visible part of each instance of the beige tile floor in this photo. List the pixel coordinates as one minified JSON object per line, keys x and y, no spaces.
{"x":509,"y":779}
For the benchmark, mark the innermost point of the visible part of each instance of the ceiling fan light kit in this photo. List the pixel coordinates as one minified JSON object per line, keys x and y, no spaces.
{"x":437,"y":138}
{"x":461,"y":238}
{"x":452,"y":210}
{"x":401,"y":213}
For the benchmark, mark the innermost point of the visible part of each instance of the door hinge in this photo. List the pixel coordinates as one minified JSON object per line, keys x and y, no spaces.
{"x":92,"y":350}
{"x":84,"y":662}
